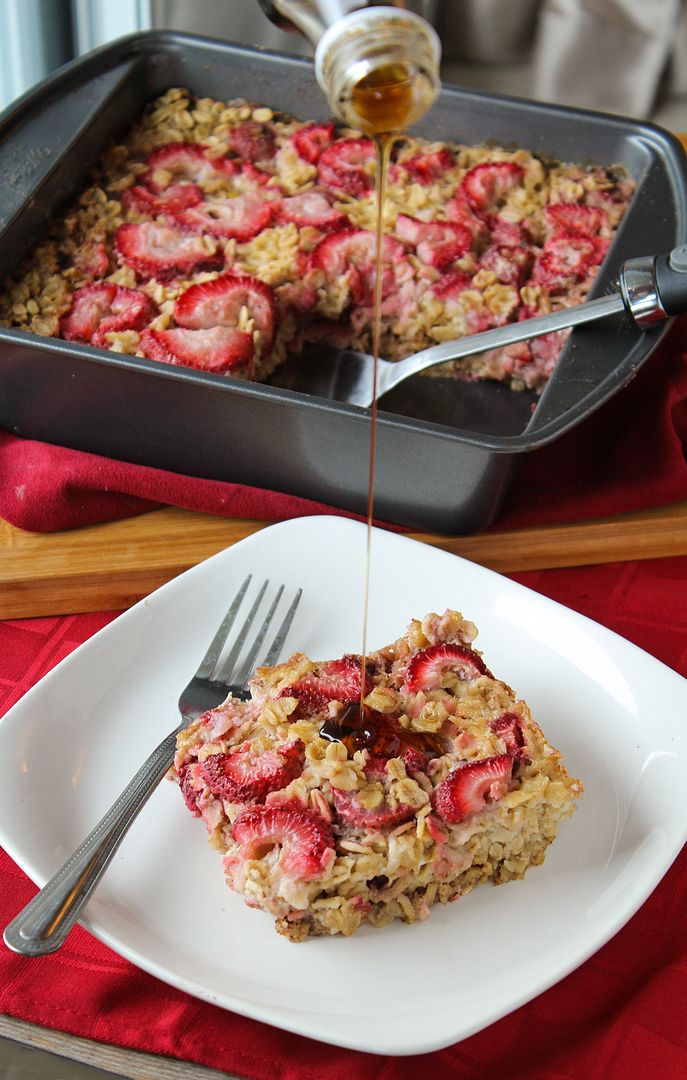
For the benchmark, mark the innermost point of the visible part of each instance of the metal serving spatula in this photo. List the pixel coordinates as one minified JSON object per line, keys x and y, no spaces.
{"x":652,"y":289}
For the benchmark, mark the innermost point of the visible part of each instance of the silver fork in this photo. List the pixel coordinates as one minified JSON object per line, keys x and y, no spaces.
{"x":43,"y":925}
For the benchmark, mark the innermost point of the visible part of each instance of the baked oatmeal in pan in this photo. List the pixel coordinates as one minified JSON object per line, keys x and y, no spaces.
{"x":328,"y":819}
{"x":225,"y":236}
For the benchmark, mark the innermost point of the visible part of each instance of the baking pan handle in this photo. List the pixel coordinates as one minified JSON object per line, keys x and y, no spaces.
{"x":34,"y":127}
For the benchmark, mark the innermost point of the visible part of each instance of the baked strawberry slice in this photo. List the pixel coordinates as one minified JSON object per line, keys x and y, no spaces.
{"x":451,"y":285}
{"x":155,"y":250}
{"x":252,"y":141}
{"x":245,"y":776}
{"x":438,"y":243}
{"x":567,"y":258}
{"x":189,"y":793}
{"x":343,"y":166}
{"x":104,"y":308}
{"x":185,"y":163}
{"x":510,"y":264}
{"x":487,"y":186}
{"x":170,"y":201}
{"x":426,"y":667}
{"x":92,"y":259}
{"x":471,"y":787}
{"x":219,"y":302}
{"x":337,"y":680}
{"x":221,"y":349}
{"x":508,"y":726}
{"x":351,"y":253}
{"x":311,"y":140}
{"x":426,"y":168}
{"x":571,"y":217}
{"x":458,"y":209}
{"x":312,"y":208}
{"x":305,"y":838}
{"x":240,"y":218}
{"x":508,"y":233}
{"x":352,"y":812}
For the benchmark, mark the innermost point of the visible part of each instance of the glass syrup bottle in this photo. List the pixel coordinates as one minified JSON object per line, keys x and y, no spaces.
{"x":378,"y":65}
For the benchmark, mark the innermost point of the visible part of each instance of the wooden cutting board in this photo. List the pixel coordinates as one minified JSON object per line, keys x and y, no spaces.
{"x":111,"y":566}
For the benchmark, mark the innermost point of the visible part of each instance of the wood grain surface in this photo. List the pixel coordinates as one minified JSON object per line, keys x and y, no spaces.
{"x":111,"y":566}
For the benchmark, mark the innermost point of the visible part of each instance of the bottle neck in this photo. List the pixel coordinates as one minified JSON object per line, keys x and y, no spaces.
{"x":310,"y":17}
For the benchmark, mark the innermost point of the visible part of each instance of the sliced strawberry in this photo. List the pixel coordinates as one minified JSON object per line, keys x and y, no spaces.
{"x":305,"y":838}
{"x":299,"y":295}
{"x":240,"y":218}
{"x":255,"y":177}
{"x":351,"y":253}
{"x":337,"y":680}
{"x":569,"y":217}
{"x":508,"y":234}
{"x":186,"y":163}
{"x":351,"y":811}
{"x":105,"y":308}
{"x":425,"y":670}
{"x":342,"y":166}
{"x":170,"y":201}
{"x":487,"y":186}
{"x":451,"y":285}
{"x":92,"y":259}
{"x":508,"y":727}
{"x":219,"y":303}
{"x":252,"y":141}
{"x":155,"y":250}
{"x":189,"y":793}
{"x":472,"y":786}
{"x":311,"y":140}
{"x":566,"y":258}
{"x":221,"y":349}
{"x":312,"y":208}
{"x":458,"y":209}
{"x":244,"y":776}
{"x":438,"y":243}
{"x":426,"y":168}
{"x":510,"y":264}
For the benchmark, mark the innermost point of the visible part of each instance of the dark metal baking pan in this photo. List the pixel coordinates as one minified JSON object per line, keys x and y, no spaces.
{"x":446,"y":449}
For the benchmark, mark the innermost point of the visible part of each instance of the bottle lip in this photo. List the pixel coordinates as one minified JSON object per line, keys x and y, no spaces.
{"x":365,"y":19}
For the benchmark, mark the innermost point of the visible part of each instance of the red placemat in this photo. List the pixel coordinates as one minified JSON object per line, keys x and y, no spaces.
{"x":628,"y":455}
{"x":621,"y":1016}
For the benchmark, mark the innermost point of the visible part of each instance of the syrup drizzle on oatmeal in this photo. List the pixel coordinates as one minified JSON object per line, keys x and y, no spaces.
{"x":365,"y":729}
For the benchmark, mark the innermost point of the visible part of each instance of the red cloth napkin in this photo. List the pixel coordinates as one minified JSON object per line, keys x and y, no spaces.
{"x":630,"y":454}
{"x":621,"y":1016}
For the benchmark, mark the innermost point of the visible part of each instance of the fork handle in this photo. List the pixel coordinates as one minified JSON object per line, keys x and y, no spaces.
{"x":43,"y":925}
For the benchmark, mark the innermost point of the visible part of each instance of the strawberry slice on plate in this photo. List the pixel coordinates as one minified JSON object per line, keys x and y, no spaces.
{"x":426,"y":667}
{"x":310,"y":141}
{"x":472,"y":786}
{"x":487,"y":186}
{"x":246,"y":776}
{"x":155,"y":250}
{"x":221,"y":349}
{"x":343,"y":166}
{"x":305,"y":838}
{"x":105,"y":308}
{"x":337,"y":680}
{"x":438,"y":243}
{"x":426,"y":168}
{"x":312,"y":208}
{"x":219,"y":302}
{"x":240,"y":218}
{"x":170,"y":201}
{"x":351,"y":811}
{"x":185,"y":163}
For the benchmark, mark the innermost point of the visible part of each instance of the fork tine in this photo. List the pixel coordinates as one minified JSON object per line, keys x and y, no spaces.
{"x":276,"y":647}
{"x":246,"y":671}
{"x":214,"y":649}
{"x":223,"y":674}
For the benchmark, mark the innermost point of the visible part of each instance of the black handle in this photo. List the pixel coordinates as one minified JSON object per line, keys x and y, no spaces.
{"x":671,"y":281}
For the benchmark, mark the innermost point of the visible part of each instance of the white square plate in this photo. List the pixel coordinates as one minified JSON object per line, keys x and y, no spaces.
{"x":618,"y":716}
